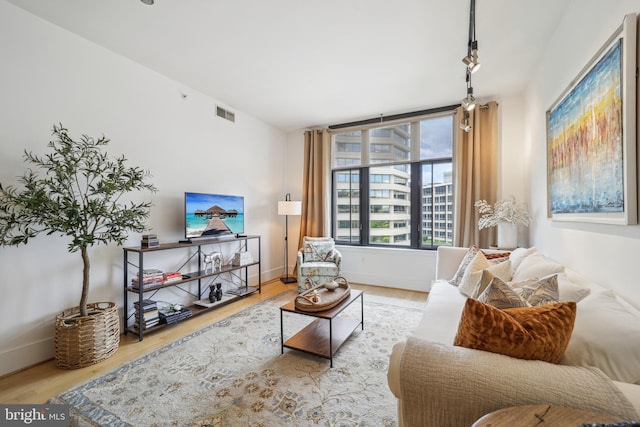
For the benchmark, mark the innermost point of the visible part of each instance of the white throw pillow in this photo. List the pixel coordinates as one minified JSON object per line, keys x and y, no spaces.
{"x":606,"y":335}
{"x":570,"y":291}
{"x":536,"y":266}
{"x":519,"y":254}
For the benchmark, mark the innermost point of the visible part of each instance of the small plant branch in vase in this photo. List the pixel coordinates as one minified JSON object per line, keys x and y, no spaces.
{"x":502,"y":211}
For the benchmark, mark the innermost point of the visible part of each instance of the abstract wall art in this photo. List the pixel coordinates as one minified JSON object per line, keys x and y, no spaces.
{"x":591,"y":138}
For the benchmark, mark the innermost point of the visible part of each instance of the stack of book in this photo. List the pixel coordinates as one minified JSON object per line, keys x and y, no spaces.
{"x":147,"y":316}
{"x":149,"y":241}
{"x":172,"y":276}
{"x":150,"y":277}
{"x":173,"y":316}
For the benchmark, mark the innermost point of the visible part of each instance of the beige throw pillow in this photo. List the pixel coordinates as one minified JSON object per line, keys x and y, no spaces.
{"x":473,"y":273}
{"x":501,"y":271}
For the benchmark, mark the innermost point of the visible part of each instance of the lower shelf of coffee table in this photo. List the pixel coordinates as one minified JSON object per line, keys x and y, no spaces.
{"x":314,"y":338}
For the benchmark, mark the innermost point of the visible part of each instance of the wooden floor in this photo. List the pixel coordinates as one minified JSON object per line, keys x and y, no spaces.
{"x":43,"y":381}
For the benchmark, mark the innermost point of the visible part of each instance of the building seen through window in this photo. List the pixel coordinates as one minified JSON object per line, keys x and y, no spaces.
{"x":392,"y":185}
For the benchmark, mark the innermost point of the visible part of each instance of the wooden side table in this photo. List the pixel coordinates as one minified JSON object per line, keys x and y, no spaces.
{"x":541,"y":415}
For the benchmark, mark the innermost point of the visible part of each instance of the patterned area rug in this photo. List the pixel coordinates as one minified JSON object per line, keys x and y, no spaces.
{"x":231,"y":373}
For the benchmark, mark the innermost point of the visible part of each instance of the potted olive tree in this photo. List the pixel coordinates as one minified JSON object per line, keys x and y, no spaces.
{"x":78,"y":193}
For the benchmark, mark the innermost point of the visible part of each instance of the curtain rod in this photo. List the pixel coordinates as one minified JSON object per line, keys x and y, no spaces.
{"x":393,"y":117}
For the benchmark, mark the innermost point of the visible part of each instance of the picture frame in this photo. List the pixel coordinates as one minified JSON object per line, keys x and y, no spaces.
{"x":591,"y":137}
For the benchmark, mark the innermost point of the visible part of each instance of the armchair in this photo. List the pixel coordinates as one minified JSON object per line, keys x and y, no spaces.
{"x":318,"y":262}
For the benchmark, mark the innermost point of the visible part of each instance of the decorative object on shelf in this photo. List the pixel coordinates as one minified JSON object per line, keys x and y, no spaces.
{"x":79,"y":195}
{"x":242,"y":258}
{"x":215,"y":292}
{"x":286,"y":208}
{"x":592,"y":137}
{"x":172,"y":313}
{"x":323,"y":297}
{"x":149,"y":241}
{"x":506,"y":215}
{"x":212,"y":261}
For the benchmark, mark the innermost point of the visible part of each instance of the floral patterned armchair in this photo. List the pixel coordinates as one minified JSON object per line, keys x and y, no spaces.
{"x":318,"y":262}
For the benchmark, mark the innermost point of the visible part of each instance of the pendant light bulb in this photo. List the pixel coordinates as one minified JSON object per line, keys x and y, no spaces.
{"x":469,"y":102}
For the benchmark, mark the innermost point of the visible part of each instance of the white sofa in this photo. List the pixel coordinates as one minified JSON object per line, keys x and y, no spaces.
{"x":438,"y":384}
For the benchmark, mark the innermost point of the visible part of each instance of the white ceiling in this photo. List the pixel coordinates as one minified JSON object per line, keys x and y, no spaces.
{"x":304,"y":63}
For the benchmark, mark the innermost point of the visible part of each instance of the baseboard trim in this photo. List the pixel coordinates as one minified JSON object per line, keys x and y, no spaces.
{"x":19,"y":359}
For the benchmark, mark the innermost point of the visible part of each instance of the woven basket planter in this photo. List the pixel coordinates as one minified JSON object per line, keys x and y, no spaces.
{"x":84,"y":341}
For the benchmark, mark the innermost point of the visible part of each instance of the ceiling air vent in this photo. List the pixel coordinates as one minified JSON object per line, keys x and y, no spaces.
{"x":225,"y":114}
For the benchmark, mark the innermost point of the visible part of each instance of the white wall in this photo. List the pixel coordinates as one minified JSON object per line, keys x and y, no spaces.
{"x":605,"y":253}
{"x":512,"y":178}
{"x":50,"y":75}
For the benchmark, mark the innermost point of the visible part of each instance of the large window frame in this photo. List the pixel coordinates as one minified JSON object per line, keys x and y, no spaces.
{"x":439,"y":221}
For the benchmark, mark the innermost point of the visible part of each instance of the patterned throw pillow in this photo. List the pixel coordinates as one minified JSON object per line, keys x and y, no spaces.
{"x":318,"y":250}
{"x":471,"y":253}
{"x":500,"y":295}
{"x":532,"y":333}
{"x":544,"y":291}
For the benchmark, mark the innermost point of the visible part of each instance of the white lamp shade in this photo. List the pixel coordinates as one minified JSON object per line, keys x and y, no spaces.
{"x":289,"y":207}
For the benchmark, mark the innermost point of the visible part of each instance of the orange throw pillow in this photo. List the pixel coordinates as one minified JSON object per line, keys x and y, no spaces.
{"x":534,"y":333}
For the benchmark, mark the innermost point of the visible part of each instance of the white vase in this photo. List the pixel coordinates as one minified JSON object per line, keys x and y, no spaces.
{"x":507,"y":235}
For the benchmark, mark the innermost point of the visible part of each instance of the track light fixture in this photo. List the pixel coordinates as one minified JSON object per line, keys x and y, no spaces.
{"x":465,"y":126}
{"x":149,"y":2}
{"x":469,"y":102}
{"x":472,"y":64}
{"x":471,"y":60}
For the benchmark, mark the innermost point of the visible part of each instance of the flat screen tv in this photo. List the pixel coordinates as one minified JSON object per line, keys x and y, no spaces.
{"x":213,"y":215}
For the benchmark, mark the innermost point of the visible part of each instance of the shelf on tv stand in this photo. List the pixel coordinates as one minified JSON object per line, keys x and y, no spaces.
{"x":230,"y":295}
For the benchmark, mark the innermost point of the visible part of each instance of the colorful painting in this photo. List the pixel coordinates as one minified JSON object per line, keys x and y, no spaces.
{"x":587,"y":150}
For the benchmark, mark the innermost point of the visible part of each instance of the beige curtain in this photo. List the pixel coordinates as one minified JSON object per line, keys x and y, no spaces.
{"x":316,"y":185}
{"x":476,"y":174}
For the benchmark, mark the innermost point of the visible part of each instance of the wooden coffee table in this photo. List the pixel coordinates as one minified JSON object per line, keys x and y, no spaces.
{"x":324,"y":336}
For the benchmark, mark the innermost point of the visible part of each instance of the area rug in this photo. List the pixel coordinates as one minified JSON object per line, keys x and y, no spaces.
{"x":232,"y":373}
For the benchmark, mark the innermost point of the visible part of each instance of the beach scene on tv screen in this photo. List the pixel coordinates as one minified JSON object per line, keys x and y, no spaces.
{"x":210,"y":215}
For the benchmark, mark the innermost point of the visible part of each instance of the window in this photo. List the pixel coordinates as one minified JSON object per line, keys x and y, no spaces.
{"x":397,"y":189}
{"x":347,"y":205}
